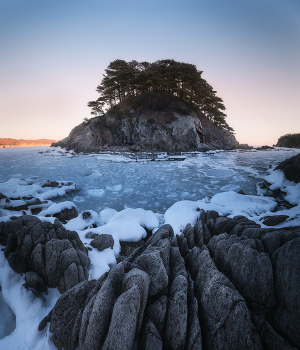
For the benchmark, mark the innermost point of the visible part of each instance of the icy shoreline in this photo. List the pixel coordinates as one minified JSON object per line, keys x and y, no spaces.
{"x":128,"y":224}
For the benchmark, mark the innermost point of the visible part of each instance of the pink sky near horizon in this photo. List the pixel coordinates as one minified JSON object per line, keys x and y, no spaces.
{"x":53,"y":56}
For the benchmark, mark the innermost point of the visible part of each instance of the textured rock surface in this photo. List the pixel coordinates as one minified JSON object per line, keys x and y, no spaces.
{"x":66,"y":214}
{"x":291,"y":168}
{"x":48,"y":253}
{"x":146,"y":129}
{"x":102,"y":242}
{"x":222,"y":284}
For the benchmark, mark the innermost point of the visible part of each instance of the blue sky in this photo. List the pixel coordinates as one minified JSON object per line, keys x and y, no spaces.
{"x":54,"y":52}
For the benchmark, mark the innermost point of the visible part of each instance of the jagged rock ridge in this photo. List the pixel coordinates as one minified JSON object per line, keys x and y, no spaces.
{"x":146,"y":129}
{"x":48,"y":254}
{"x":223,"y":284}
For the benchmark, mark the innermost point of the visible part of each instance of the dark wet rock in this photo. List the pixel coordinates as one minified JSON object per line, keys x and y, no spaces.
{"x":153,"y":265}
{"x":176,"y":319}
{"x":210,"y":224}
{"x":16,"y":205}
{"x":51,"y":184}
{"x":274,"y":220}
{"x":198,"y":232}
{"x":63,"y":327}
{"x":200,"y":290}
{"x":66,"y":214}
{"x":219,"y":224}
{"x":239,"y":229}
{"x":128,"y":311}
{"x":255,"y":232}
{"x":226,"y":320}
{"x":56,"y":255}
{"x":184,"y":250}
{"x":244,"y":146}
{"x":206,"y":234}
{"x":33,"y":280}
{"x":127,"y":248}
{"x":102,"y":242}
{"x":10,"y":226}
{"x":211,"y":214}
{"x":250,"y":271}
{"x":228,"y":227}
{"x":150,"y":338}
{"x":16,"y":262}
{"x":156,"y":313}
{"x":270,"y":339}
{"x":291,"y":168}
{"x":86,"y":215}
{"x":286,"y":261}
{"x":188,"y":232}
{"x":264,"y":148}
{"x":194,"y":335}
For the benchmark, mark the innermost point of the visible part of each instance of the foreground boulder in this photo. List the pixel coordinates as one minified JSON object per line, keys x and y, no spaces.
{"x":291,"y":168}
{"x":49,"y":254}
{"x":223,"y":284}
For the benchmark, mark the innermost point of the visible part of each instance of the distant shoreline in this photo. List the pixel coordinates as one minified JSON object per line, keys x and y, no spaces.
{"x":11,"y":143}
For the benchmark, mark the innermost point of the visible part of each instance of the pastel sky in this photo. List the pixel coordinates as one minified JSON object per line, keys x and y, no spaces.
{"x":53,"y":54}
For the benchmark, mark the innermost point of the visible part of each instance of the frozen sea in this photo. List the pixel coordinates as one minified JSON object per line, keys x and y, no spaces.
{"x":126,"y":194}
{"x":124,"y":181}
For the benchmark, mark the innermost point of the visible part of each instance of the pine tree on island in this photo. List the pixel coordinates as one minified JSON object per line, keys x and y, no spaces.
{"x":159,"y":85}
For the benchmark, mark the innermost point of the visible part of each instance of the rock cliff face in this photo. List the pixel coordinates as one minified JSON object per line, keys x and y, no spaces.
{"x":148,"y":130}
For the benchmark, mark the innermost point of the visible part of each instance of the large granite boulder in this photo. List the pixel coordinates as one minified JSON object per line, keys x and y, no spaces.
{"x":56,"y":256}
{"x":222,"y":284}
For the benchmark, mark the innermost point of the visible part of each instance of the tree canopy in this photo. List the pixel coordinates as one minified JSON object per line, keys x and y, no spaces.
{"x":176,"y":81}
{"x":289,"y":140}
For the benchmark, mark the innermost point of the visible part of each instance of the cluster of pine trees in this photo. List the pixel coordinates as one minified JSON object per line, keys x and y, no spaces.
{"x":176,"y":81}
{"x":289,"y":140}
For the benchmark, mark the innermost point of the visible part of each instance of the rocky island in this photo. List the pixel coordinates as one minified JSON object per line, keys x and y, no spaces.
{"x":289,"y":140}
{"x":162,"y":106}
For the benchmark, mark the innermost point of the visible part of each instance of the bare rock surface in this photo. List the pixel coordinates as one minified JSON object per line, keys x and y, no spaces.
{"x":215,"y":290}
{"x":50,"y":255}
{"x":102,"y":242}
{"x":144,"y":129}
{"x":291,"y":168}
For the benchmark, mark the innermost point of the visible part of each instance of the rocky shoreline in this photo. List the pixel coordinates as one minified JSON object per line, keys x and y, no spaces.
{"x":146,"y":130}
{"x":222,"y":284}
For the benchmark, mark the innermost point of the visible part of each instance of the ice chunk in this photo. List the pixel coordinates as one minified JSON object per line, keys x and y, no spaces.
{"x":114,"y":188}
{"x":96,"y":192}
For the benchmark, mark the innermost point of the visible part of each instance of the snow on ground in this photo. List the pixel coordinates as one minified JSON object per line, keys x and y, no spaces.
{"x":227,"y":203}
{"x":278,"y":181}
{"x":127,"y":225}
{"x":28,"y":311}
